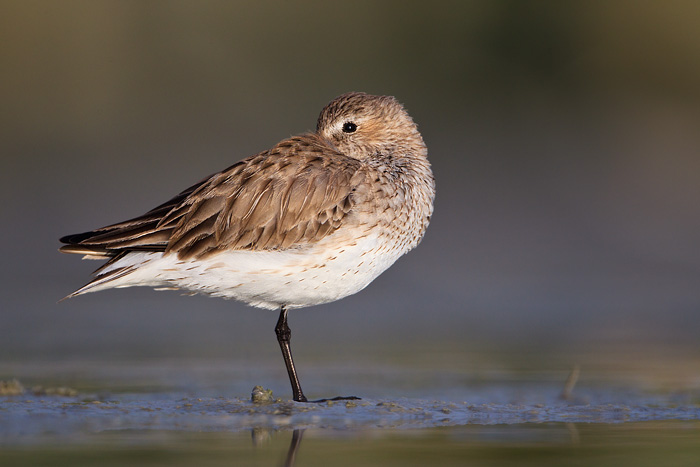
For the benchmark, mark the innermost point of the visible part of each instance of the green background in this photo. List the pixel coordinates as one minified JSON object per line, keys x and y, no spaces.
{"x":563,"y":136}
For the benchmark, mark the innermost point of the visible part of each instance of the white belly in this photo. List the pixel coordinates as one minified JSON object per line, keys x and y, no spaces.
{"x":295,"y":278}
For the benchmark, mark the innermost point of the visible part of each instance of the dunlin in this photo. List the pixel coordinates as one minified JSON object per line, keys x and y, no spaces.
{"x":312,"y":220}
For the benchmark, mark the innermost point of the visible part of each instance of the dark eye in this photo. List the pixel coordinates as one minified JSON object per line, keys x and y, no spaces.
{"x":349,"y":127}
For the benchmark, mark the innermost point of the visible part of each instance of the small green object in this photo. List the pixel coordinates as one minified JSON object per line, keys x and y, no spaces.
{"x":260,"y":395}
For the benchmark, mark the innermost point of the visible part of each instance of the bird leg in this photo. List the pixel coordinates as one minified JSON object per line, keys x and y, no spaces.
{"x":284,"y":335}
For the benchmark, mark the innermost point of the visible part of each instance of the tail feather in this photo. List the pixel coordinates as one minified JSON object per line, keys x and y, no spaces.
{"x":128,"y":245}
{"x":115,"y":271}
{"x":101,"y":280}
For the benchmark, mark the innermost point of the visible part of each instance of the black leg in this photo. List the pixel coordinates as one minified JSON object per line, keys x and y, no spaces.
{"x":284,"y":335}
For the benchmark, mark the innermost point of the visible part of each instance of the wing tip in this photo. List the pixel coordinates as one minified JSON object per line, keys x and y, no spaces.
{"x":74,"y":239}
{"x":88,"y":252}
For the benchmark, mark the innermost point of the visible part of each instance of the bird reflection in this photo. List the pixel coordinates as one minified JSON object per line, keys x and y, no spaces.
{"x":261,"y":436}
{"x":293,"y":447}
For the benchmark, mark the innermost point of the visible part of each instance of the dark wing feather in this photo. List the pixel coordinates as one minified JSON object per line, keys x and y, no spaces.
{"x":139,"y":233}
{"x":298,"y":192}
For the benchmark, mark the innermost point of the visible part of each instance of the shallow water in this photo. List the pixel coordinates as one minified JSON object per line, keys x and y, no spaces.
{"x":31,"y":419}
{"x":674,"y":443}
{"x":173,"y":413}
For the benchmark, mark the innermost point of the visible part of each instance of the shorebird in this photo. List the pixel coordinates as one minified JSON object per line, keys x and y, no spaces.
{"x":312,"y":220}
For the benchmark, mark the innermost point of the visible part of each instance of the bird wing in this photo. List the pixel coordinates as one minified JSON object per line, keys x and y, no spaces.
{"x":299,"y":191}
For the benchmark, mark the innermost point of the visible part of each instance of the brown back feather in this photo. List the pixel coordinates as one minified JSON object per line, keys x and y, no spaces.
{"x":297,"y":192}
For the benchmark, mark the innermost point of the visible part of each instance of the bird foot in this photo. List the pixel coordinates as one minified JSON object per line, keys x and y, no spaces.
{"x":339,"y":398}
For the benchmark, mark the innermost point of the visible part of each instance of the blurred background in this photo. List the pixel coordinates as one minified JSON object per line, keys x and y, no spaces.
{"x":564,"y":137}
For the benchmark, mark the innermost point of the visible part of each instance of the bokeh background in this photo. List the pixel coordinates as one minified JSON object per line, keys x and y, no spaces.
{"x":564,"y":137}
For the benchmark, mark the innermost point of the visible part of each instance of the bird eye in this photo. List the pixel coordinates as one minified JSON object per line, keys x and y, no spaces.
{"x":349,"y":127}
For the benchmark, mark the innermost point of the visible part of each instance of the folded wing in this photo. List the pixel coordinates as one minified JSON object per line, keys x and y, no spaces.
{"x":298,"y":192}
